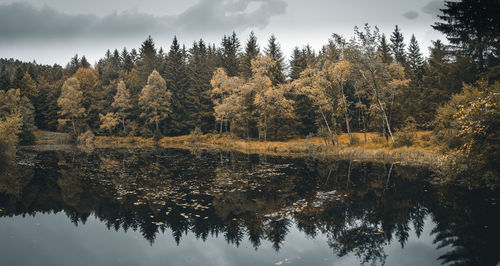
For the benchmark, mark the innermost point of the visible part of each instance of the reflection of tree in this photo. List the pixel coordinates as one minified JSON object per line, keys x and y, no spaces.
{"x":239,"y":196}
{"x":468,"y":223}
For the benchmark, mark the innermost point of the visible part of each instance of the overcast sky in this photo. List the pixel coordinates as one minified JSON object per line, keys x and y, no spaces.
{"x":52,"y":31}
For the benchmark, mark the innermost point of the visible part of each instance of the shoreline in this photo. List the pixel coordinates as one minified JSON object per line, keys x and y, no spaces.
{"x":375,"y":149}
{"x":421,"y":153}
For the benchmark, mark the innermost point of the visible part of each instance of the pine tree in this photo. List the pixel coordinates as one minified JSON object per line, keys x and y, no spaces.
{"x":415,"y":58}
{"x":127,"y":60}
{"x":146,"y":62}
{"x":297,"y":63}
{"x":84,"y":63}
{"x":251,"y":52}
{"x":177,"y":83}
{"x":398,"y":46}
{"x":385,"y":50}
{"x":274,"y":50}
{"x":472,"y":27}
{"x":4,"y":79}
{"x":230,"y":50}
{"x":18,"y":77}
{"x":198,"y":104}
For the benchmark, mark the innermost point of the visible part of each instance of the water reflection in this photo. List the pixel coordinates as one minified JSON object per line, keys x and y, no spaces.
{"x":358,"y":208}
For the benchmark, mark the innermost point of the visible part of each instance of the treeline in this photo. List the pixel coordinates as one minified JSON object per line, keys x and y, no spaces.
{"x":367,"y":83}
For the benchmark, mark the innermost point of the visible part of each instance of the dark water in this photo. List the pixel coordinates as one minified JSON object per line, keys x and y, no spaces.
{"x":179,"y":207}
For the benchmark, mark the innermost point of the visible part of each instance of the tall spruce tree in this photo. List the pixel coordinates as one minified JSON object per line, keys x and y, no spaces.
{"x":177,"y":83}
{"x":251,"y":52}
{"x":472,"y":27}
{"x":230,"y":49}
{"x":4,"y":79}
{"x":198,"y":103}
{"x":398,"y":46}
{"x":146,"y":62}
{"x":415,"y":58}
{"x":273,"y":49}
{"x":385,"y":50}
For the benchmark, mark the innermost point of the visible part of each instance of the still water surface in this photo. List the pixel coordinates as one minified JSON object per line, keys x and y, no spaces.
{"x":181,"y":207}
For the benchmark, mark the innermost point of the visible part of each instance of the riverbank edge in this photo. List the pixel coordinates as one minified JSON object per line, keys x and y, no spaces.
{"x":369,"y":152}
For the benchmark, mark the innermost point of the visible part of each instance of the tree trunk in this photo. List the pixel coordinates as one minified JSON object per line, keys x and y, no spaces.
{"x":384,"y":115}
{"x":346,"y":115}
{"x":73,"y":125}
{"x":123,"y":124}
{"x":327,"y":126}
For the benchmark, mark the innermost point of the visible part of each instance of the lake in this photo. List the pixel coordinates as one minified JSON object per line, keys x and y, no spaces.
{"x":195,"y":207}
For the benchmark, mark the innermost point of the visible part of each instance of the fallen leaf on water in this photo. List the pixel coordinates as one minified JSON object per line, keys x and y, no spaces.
{"x":278,"y":263}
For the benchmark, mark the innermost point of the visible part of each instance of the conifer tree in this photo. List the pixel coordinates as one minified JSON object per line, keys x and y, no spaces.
{"x":198,"y":103}
{"x":84,"y":63}
{"x":297,"y":63}
{"x":277,"y":71}
{"x":127,"y":60}
{"x":398,"y":46}
{"x":471,"y":26}
{"x":385,"y":50}
{"x":4,"y":79}
{"x":415,"y":58}
{"x":177,"y":83}
{"x":146,"y":61}
{"x":230,"y":52}
{"x":251,"y":52}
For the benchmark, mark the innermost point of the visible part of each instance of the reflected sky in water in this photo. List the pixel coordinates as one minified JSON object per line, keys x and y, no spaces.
{"x":53,"y":240}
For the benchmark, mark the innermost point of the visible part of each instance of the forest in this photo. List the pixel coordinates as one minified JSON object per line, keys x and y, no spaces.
{"x":367,"y":82}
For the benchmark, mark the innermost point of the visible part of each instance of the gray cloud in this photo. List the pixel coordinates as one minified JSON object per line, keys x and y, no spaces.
{"x":410,"y":15}
{"x":432,"y":7}
{"x":23,"y":22}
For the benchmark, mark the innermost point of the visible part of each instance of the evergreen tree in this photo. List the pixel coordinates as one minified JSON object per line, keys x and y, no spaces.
{"x":177,"y":83}
{"x":398,"y":46}
{"x":251,"y":52}
{"x":146,"y":61}
{"x":18,"y":77}
{"x":274,"y":50}
{"x":198,"y":103}
{"x":297,"y":63}
{"x":230,"y":54}
{"x":84,"y":63}
{"x":127,"y":60}
{"x":415,"y":58}
{"x":4,"y":79}
{"x":385,"y":50}
{"x":472,"y":27}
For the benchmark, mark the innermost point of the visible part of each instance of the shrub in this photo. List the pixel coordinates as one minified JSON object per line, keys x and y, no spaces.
{"x":86,"y":138}
{"x":406,"y":136}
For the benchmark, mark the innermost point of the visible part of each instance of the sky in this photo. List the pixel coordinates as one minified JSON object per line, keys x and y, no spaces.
{"x":52,"y":31}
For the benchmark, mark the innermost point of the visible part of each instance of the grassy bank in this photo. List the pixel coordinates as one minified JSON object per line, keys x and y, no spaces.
{"x":375,"y":149}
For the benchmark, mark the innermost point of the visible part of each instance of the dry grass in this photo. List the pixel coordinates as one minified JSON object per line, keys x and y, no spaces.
{"x":376,"y":148}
